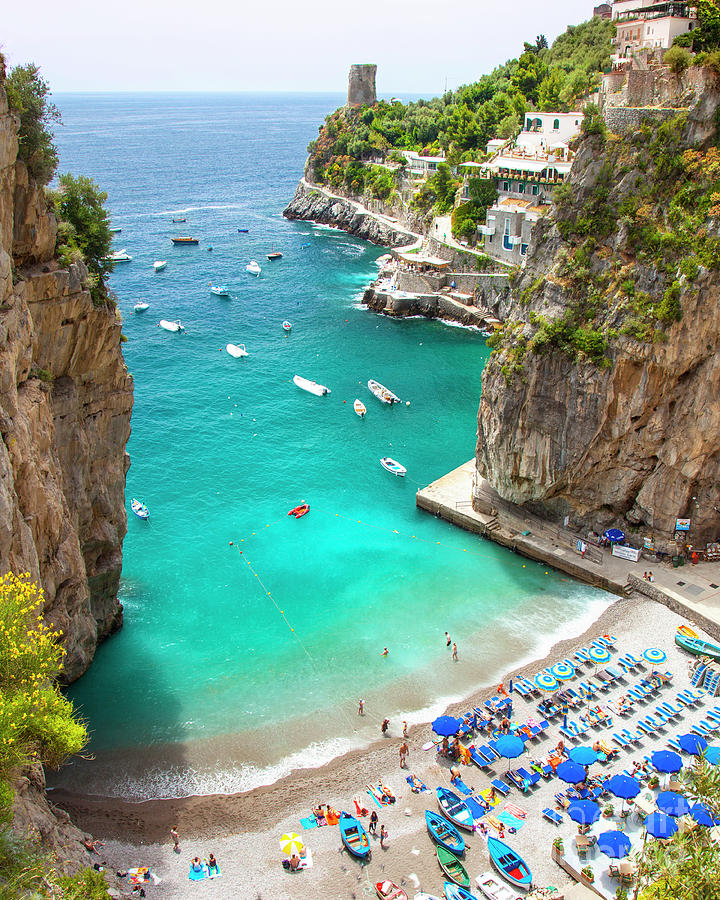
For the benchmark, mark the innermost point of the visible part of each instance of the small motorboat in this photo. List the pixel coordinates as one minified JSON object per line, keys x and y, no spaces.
{"x":382,"y":393}
{"x":253,"y":268}
{"x":171,"y":326}
{"x":354,"y":836}
{"x":697,"y":647}
{"x":140,"y":510}
{"x":220,"y":290}
{"x":360,"y":408}
{"x":393,"y":466}
{"x":178,"y":221}
{"x":118,"y":256}
{"x":287,"y":326}
{"x":300,"y":511}
{"x":115,"y":230}
{"x":443,"y":833}
{"x":389,"y":891}
{"x":495,"y":889}
{"x":141,"y":306}
{"x":237,"y":350}
{"x":455,"y":892}
{"x":455,"y":809}
{"x":452,"y":866}
{"x":184,"y":240}
{"x":159,"y":264}
{"x":276,"y":254}
{"x":243,"y":230}
{"x":311,"y":386}
{"x":509,"y":864}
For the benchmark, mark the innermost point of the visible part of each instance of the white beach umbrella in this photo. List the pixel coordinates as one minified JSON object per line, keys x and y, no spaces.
{"x":291,"y":843}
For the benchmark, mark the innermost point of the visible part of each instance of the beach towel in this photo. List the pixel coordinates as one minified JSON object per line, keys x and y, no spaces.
{"x":486,"y":796}
{"x":198,"y":874}
{"x":309,"y":822}
{"x":416,"y":786}
{"x":376,"y":792}
{"x":515,"y":810}
{"x":138,"y":875}
{"x":510,"y":820}
{"x":214,"y":873}
{"x":477,"y":810}
{"x":359,"y":808}
{"x":495,"y":823}
{"x":461,"y":786}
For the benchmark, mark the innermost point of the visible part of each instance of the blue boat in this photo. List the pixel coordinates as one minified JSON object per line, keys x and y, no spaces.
{"x":455,"y":892}
{"x":697,"y":647}
{"x":455,"y":809}
{"x":509,"y":864}
{"x":443,"y":833}
{"x":354,"y":836}
{"x":140,"y":510}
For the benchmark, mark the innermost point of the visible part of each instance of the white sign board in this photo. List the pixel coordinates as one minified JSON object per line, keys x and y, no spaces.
{"x":682,"y":524}
{"x":631,"y":553}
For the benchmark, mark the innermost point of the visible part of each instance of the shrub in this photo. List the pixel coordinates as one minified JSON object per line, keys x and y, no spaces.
{"x":670,"y":309}
{"x":28,"y":96}
{"x":678,"y":58}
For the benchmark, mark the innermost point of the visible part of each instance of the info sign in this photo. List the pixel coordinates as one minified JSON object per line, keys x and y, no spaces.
{"x":682,"y":524}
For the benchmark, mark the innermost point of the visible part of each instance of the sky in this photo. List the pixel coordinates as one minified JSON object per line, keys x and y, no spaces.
{"x":420,"y":46}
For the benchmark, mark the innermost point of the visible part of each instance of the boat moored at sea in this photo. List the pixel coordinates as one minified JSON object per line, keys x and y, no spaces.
{"x":118,"y":256}
{"x":455,"y":809}
{"x":159,"y":264}
{"x":382,"y":393}
{"x":115,"y":230}
{"x":276,"y":254}
{"x":299,"y":511}
{"x":237,"y":350}
{"x":253,"y":268}
{"x":139,"y":508}
{"x":392,"y":465}
{"x":178,"y":221}
{"x":354,"y":836}
{"x":182,"y":241}
{"x":697,"y":646}
{"x":176,"y":326}
{"x":220,"y":290}
{"x":312,"y":387}
{"x":360,"y":408}
{"x":141,"y":306}
{"x":495,"y":889}
{"x":509,"y":863}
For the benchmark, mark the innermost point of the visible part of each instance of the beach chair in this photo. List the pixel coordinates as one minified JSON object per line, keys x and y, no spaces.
{"x":488,"y":752}
{"x":620,"y":740}
{"x":660,"y":717}
{"x":645,"y":728}
{"x":700,"y":730}
{"x":675,"y":746}
{"x":552,"y":816}
{"x":573,"y":695}
{"x":542,"y":769}
{"x":697,"y":693}
{"x":656,"y":723}
{"x":501,"y":788}
{"x":521,"y":688}
{"x":635,"y":661}
{"x":602,"y":676}
{"x":668,"y":711}
{"x":582,"y":656}
{"x":599,"y":684}
{"x":627,"y":664}
{"x":532,"y":777}
{"x":482,"y":762}
{"x":617,"y":674}
{"x":637,"y":695}
{"x":586,"y":690}
{"x":713,"y":717}
{"x":631,"y":736}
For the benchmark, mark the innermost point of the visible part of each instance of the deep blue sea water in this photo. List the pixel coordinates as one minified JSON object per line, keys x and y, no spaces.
{"x":232,"y":666}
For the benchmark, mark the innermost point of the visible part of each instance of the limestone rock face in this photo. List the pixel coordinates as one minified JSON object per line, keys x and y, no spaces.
{"x":361,"y":85}
{"x":65,"y":404}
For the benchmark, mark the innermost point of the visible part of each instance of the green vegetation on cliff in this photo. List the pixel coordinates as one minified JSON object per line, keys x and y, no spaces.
{"x":29,"y":97}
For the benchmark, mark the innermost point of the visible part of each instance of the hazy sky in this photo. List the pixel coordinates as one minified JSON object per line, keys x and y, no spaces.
{"x":273,"y":45}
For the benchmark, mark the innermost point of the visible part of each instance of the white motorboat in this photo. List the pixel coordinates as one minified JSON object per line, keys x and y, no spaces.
{"x":171,"y":326}
{"x":141,"y":306}
{"x":140,"y":510}
{"x":253,"y":268}
{"x":392,"y":465}
{"x":311,"y":386}
{"x":360,"y":408}
{"x":220,"y":290}
{"x":382,"y":393}
{"x":115,"y":230}
{"x":118,"y":256}
{"x":159,"y":264}
{"x":287,"y":325}
{"x":495,"y":888}
{"x":237,"y":350}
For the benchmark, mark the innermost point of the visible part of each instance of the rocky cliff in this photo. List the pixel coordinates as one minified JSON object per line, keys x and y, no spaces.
{"x":601,"y":399}
{"x":65,"y":404}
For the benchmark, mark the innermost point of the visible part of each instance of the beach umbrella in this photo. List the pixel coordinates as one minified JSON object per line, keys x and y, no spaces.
{"x":599,"y":654}
{"x":654,"y":655}
{"x":509,"y":746}
{"x":614,"y":844}
{"x":614,"y":535}
{"x":583,"y":756}
{"x":446,"y":725}
{"x":545,"y":681}
{"x":692,"y":743}
{"x":712,"y":755}
{"x":660,"y":826}
{"x":623,"y":786}
{"x":703,"y":816}
{"x":571,"y":772}
{"x":585,"y":812}
{"x":667,"y":761}
{"x":562,"y":671}
{"x":672,"y":803}
{"x":291,"y":843}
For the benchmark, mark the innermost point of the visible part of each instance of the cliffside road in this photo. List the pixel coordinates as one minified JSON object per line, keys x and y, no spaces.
{"x":692,"y":591}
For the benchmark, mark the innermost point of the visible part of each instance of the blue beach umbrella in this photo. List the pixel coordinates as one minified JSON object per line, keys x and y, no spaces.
{"x":667,"y":761}
{"x":583,"y":756}
{"x":599,"y":654}
{"x":672,"y":803}
{"x":614,"y":844}
{"x":654,"y":655}
{"x":712,"y":755}
{"x":703,"y":816}
{"x":545,"y":681}
{"x":571,"y":772}
{"x":562,"y":671}
{"x":623,"y":786}
{"x":446,"y":725}
{"x":509,"y":746}
{"x":585,"y":812}
{"x":692,"y":743}
{"x":660,"y":826}
{"x":614,"y":535}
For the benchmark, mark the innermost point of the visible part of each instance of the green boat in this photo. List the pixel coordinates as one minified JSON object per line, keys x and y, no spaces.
{"x":697,"y":647}
{"x":452,"y":867}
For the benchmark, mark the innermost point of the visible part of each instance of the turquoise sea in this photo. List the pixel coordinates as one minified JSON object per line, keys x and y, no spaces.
{"x":250,"y":636}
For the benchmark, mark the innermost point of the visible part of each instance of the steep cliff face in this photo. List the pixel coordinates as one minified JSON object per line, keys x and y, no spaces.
{"x":65,"y":404}
{"x":601,"y":401}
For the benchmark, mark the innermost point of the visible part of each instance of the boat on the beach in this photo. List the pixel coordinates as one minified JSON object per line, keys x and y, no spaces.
{"x":443,"y":833}
{"x":423,"y":896}
{"x":509,"y":863}
{"x":312,"y":387}
{"x":389,"y":891}
{"x":175,"y":326}
{"x":452,"y":866}
{"x":177,"y":221}
{"x":220,"y":290}
{"x":392,"y":465}
{"x":300,"y":511}
{"x":159,"y":264}
{"x":253,"y":268}
{"x":455,"y":809}
{"x":382,"y":393}
{"x":141,"y":306}
{"x":687,"y":631}
{"x":184,"y":240}
{"x":118,"y":256}
{"x":697,"y":646}
{"x":287,"y":326}
{"x":237,"y":350}
{"x":360,"y":408}
{"x":495,"y":889}
{"x":455,"y":892}
{"x":140,"y":510}
{"x":354,"y":836}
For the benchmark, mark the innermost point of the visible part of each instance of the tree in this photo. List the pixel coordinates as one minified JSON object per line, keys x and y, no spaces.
{"x":444,"y":187}
{"x":706,"y":36}
{"x":678,"y":58}
{"x":28,"y":96}
{"x":79,"y":203}
{"x":541,"y":42}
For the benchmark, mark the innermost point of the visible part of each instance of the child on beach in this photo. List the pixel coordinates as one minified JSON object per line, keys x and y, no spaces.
{"x":383,"y":836}
{"x":361,"y":707}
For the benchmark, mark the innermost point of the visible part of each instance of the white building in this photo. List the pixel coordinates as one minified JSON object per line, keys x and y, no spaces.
{"x":422,"y":166}
{"x":649,"y":25}
{"x":545,"y":129}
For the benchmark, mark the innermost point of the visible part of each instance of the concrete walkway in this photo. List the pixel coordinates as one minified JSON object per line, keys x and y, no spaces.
{"x":693,"y":591}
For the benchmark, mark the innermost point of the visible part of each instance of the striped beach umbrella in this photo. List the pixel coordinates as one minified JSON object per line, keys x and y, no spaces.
{"x":692,"y":743}
{"x":545,"y":681}
{"x":599,"y":654}
{"x":291,"y":843}
{"x":654,"y":655}
{"x":562,"y":671}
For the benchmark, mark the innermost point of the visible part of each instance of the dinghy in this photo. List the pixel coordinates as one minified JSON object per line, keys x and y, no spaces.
{"x":443,"y":833}
{"x":140,"y":510}
{"x":141,"y":306}
{"x":452,"y":867}
{"x":171,"y":326}
{"x":393,"y":466}
{"x":253,"y":268}
{"x":179,"y":220}
{"x":455,"y":809}
{"x":118,"y":256}
{"x":311,"y":387}
{"x":360,"y":408}
{"x":159,"y":264}
{"x":300,"y":511}
{"x":492,"y":887}
{"x":220,"y":290}
{"x":243,"y":230}
{"x":354,"y":836}
{"x":236,"y":350}
{"x":382,"y":393}
{"x":509,"y":864}
{"x":455,"y":892}
{"x":287,"y":325}
{"x":115,"y":230}
{"x":389,"y":891}
{"x":697,"y":646}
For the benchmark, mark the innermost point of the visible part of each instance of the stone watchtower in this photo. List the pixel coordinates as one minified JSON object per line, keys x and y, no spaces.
{"x":361,"y":85}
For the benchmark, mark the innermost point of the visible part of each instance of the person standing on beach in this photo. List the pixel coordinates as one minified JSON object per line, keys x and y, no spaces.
{"x":176,"y":838}
{"x":361,"y":707}
{"x":454,"y":653}
{"x":372,"y":826}
{"x":405,"y":729}
{"x":403,"y":755}
{"x":383,"y":836}
{"x":385,"y":725}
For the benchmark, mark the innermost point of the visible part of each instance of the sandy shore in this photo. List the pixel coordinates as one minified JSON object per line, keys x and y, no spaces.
{"x":243,"y":830}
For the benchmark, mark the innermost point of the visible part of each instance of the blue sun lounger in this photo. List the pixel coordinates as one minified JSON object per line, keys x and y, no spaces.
{"x":500,"y":787}
{"x":552,"y":816}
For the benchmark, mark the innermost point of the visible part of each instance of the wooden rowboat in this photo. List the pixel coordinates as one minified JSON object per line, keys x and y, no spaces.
{"x":354,"y":836}
{"x":360,"y":408}
{"x":697,"y":647}
{"x":509,"y":864}
{"x":443,"y":833}
{"x":389,"y":891}
{"x":455,"y":809}
{"x":455,"y":892}
{"x":492,"y":887}
{"x":452,"y":867}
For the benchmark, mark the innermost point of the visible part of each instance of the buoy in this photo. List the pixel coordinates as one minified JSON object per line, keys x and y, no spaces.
{"x":407,"y":403}
{"x":231,"y":543}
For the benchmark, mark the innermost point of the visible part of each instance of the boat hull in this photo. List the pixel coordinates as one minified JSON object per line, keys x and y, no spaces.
{"x":387,"y":890}
{"x":697,"y":647}
{"x":385,"y":395}
{"x":444,"y":833}
{"x":182,"y":241}
{"x":452,"y":867}
{"x":493,"y":888}
{"x":393,"y":466}
{"x":140,"y":510}
{"x":453,"y":808}
{"x":360,"y":408}
{"x":354,"y":837}
{"x":170,"y":326}
{"x":456,"y":892}
{"x":141,"y":307}
{"x":509,"y":864}
{"x":312,"y":387}
{"x":236,"y":351}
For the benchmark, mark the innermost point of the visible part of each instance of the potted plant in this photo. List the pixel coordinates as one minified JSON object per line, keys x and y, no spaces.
{"x":558,"y":845}
{"x":653,"y":782}
{"x":621,"y":894}
{"x":588,"y":874}
{"x":608,"y":810}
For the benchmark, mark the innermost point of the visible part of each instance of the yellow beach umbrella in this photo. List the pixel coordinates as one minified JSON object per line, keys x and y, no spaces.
{"x":291,"y":843}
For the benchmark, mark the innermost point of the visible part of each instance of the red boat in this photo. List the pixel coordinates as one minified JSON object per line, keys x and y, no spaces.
{"x":300,"y":511}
